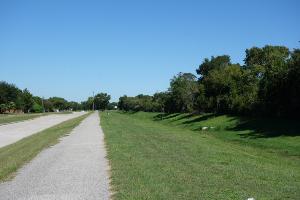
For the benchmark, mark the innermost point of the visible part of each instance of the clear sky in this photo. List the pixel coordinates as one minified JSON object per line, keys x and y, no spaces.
{"x":72,"y":48}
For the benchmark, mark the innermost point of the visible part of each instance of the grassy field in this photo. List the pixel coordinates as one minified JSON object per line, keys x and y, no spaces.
{"x":14,"y":156}
{"x":174,"y":159}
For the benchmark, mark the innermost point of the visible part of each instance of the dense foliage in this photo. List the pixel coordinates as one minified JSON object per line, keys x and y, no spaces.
{"x":12,"y":100}
{"x":267,"y":84}
{"x":98,"y":102}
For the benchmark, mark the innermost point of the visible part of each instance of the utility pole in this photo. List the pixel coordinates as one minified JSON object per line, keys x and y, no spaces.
{"x":93,"y":100}
{"x":43,"y":104}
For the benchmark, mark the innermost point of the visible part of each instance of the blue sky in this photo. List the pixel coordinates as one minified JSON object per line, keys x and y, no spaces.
{"x":72,"y":48}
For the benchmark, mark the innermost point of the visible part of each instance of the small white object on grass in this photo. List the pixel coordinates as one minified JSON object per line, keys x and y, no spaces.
{"x":204,"y":128}
{"x":251,"y":198}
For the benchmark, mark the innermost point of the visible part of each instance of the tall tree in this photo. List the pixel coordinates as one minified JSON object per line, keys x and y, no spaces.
{"x":183,"y":90}
{"x":27,"y":100}
{"x":8,"y":92}
{"x":214,"y":63}
{"x":273,"y":72}
{"x":101,"y":101}
{"x":59,"y":103}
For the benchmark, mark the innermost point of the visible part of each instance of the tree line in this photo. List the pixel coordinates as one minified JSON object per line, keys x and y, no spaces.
{"x":13,"y":99}
{"x":268,"y":83}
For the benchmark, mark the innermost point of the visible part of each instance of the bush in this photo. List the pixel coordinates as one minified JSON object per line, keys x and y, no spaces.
{"x":36,"y":108}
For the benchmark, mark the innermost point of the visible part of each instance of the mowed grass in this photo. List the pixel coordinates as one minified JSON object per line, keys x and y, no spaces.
{"x":275,"y":135}
{"x":9,"y":118}
{"x":159,"y":159}
{"x":14,"y":156}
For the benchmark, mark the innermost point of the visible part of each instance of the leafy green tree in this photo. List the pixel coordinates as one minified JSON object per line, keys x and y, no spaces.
{"x":88,"y":104}
{"x":59,"y":103}
{"x":3,"y":108}
{"x":273,"y":72}
{"x":122,"y":104}
{"x":75,"y":106}
{"x":48,"y":105}
{"x":112,"y":105}
{"x":11,"y":106}
{"x":37,"y":108}
{"x":101,"y":101}
{"x":27,"y":100}
{"x":183,"y":90}
{"x":214,"y":63}
{"x":230,"y":90}
{"x":8,"y":92}
{"x":160,"y":102}
{"x":292,"y":97}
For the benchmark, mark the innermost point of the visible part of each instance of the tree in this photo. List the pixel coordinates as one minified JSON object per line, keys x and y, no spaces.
{"x":59,"y":103}
{"x":183,"y":90}
{"x":160,"y":102}
{"x":75,"y":106}
{"x":8,"y":92}
{"x":48,"y":105}
{"x":11,"y":106}
{"x":292,"y":103}
{"x":112,"y":106}
{"x":122,"y":104}
{"x":3,"y":108}
{"x":214,"y":63}
{"x":273,"y":72}
{"x":37,"y":108}
{"x":27,"y":100}
{"x":101,"y":101}
{"x":231,"y":89}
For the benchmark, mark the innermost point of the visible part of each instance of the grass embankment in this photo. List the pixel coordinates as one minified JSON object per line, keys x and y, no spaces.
{"x":10,"y":118}
{"x":14,"y":156}
{"x":168,"y":159}
{"x":275,"y":135}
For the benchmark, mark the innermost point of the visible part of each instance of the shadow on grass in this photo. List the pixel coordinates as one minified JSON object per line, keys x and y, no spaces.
{"x":266,"y":128}
{"x":163,"y":116}
{"x":245,"y":127}
{"x":185,"y":116}
{"x":200,"y":118}
{"x":129,"y":112}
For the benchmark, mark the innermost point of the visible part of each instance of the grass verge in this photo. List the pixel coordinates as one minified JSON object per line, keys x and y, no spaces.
{"x":14,"y":156}
{"x":10,"y":118}
{"x":280,"y":136}
{"x":159,"y":160}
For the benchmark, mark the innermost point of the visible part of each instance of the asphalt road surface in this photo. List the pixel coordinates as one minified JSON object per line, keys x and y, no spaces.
{"x":11,"y":133}
{"x":75,"y":168}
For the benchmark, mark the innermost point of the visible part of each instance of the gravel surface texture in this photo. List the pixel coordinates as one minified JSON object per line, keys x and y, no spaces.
{"x":75,"y":168}
{"x":11,"y":133}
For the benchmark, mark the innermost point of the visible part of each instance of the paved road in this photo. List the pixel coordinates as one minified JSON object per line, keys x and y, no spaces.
{"x":11,"y":133}
{"x":75,"y":168}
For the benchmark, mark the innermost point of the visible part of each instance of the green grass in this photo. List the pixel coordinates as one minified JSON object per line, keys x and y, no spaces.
{"x":14,"y":156}
{"x":172,"y":159}
{"x":274,"y":135}
{"x":9,"y":118}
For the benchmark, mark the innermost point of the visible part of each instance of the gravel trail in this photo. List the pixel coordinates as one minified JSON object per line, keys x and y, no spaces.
{"x":75,"y":168}
{"x":11,"y":133}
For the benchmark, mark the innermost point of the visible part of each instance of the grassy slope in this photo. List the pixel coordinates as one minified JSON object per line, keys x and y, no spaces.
{"x":167,"y":160}
{"x":274,"y":135}
{"x":13,"y":156}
